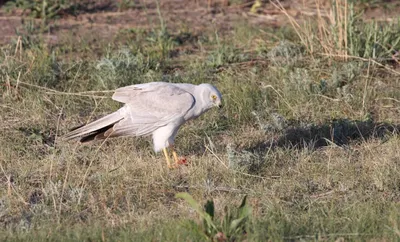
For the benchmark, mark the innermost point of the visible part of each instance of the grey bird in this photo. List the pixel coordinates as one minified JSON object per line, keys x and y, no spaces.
{"x":156,"y":108}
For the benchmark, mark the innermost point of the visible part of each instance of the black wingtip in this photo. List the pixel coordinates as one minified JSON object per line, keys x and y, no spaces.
{"x":98,"y":134}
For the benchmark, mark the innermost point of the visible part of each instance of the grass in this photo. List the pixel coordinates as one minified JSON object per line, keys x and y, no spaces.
{"x":312,"y":140}
{"x":339,"y":32}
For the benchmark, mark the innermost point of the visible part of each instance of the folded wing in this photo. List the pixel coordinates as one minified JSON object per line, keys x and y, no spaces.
{"x":147,"y":107}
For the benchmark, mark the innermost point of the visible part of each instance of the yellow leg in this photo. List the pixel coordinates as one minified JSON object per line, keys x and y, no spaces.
{"x":178,"y":161}
{"x":175,"y":155}
{"x":167,"y":158}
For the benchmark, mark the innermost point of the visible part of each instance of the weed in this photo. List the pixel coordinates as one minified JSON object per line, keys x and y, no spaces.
{"x":125,"y":67}
{"x":231,"y":227}
{"x":125,"y":4}
{"x":29,"y":36}
{"x":224,"y":54}
{"x":285,"y":54}
{"x":43,"y":9}
{"x":160,"y":39}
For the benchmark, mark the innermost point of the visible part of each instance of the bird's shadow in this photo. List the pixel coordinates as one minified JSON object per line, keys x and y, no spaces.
{"x":340,"y":132}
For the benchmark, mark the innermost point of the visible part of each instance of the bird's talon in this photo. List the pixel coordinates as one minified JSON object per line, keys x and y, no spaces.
{"x":174,"y":166}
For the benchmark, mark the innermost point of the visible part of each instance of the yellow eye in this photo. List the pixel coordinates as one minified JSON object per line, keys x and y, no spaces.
{"x":214,"y":97}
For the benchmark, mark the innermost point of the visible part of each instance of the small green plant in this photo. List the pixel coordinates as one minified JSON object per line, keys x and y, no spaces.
{"x":161,"y":40}
{"x":231,"y":227}
{"x":374,"y":40}
{"x":44,"y":9}
{"x":124,"y":67}
{"x":225,"y":54}
{"x":125,"y":4}
{"x":28,"y":35}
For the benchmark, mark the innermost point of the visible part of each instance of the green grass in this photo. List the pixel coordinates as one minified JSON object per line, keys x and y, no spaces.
{"x":313,"y":141}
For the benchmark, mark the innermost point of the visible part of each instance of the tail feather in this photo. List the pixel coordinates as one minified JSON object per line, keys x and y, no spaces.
{"x":94,"y":128}
{"x":98,"y":134}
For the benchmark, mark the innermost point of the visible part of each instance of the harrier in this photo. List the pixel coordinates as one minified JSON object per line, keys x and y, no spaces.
{"x":157,"y":108}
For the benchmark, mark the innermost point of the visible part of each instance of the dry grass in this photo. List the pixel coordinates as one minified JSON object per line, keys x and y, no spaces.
{"x":332,"y":22}
{"x":315,"y":146}
{"x":335,"y":29}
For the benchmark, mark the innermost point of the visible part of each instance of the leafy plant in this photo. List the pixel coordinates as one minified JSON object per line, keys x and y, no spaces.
{"x":162,"y":42}
{"x":225,"y":54}
{"x":160,"y":39}
{"x":373,"y":40}
{"x":28,"y":34}
{"x":125,"y":4}
{"x":231,"y":227}
{"x":44,"y":9}
{"x":124,"y":67}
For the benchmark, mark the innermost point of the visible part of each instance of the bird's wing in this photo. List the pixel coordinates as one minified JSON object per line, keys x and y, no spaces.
{"x":125,"y":94}
{"x":150,"y":106}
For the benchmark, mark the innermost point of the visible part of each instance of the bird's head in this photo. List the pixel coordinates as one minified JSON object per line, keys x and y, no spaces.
{"x":211,"y":96}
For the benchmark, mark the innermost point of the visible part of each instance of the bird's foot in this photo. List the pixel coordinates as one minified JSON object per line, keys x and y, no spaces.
{"x":173,"y":166}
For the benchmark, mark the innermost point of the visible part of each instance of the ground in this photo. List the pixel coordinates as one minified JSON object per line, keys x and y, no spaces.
{"x":309,"y":131}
